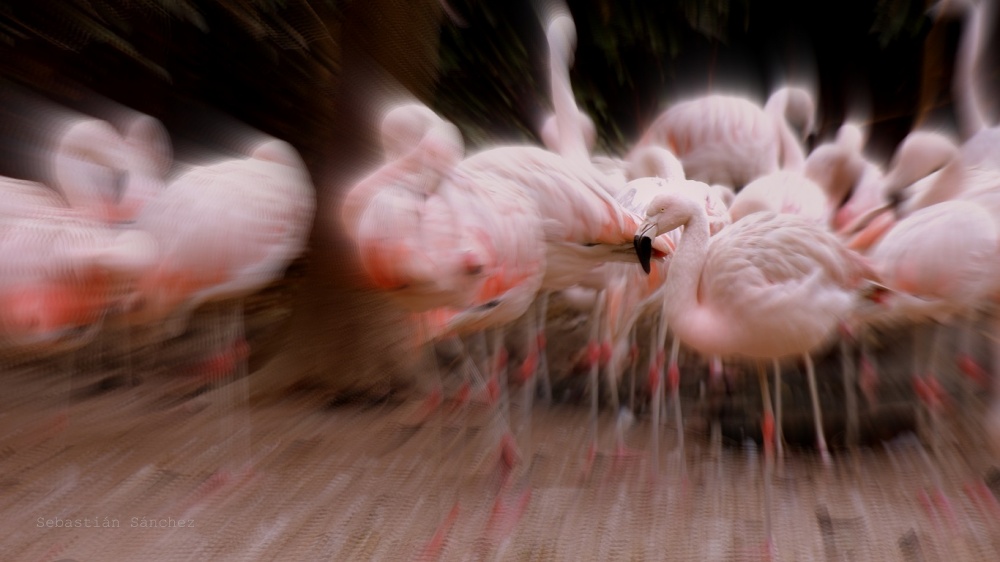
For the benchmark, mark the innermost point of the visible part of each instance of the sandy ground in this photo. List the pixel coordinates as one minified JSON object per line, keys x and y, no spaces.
{"x":297,"y":480}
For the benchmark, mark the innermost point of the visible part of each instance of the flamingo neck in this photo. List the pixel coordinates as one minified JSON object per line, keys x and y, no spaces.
{"x":571,"y":137}
{"x":966,"y":82}
{"x":946,"y":184}
{"x":691,"y":318}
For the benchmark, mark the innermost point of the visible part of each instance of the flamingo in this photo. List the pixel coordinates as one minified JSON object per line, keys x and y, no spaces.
{"x":571,"y":133}
{"x":583,"y":226}
{"x":923,"y":171}
{"x":982,"y":145}
{"x":865,"y":192}
{"x":814,"y":191}
{"x":930,"y":178}
{"x":940,"y":260}
{"x":768,"y":286}
{"x":643,"y":296}
{"x":223,"y":231}
{"x":61,"y":273}
{"x":731,"y":141}
{"x":397,"y":219}
{"x":21,"y":197}
{"x":88,"y":165}
{"x":518,"y":219}
{"x":90,"y":168}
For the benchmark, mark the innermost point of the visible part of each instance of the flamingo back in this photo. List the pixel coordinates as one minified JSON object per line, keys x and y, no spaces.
{"x":786,"y":192}
{"x":761,"y":271}
{"x":58,"y":275}
{"x":943,"y":252}
{"x":230,"y":228}
{"x":720,"y":139}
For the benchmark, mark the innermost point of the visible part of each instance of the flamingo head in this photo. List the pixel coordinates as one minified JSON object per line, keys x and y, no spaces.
{"x":665,"y":213}
{"x":90,"y":166}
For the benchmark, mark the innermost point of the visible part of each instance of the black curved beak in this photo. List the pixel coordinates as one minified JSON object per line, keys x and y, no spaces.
{"x":643,"y":243}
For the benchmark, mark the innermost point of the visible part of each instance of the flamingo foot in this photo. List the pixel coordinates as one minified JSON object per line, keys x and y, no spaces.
{"x":768,"y":551}
{"x":929,"y":391}
{"x":674,"y":377}
{"x":427,"y":408}
{"x":509,"y":455}
{"x":973,"y":371}
{"x":824,"y":455}
{"x":461,"y":397}
{"x":492,"y":391}
{"x":505,"y":515}
{"x":868,"y":381}
{"x":434,"y":547}
{"x":944,"y":507}
{"x":928,"y":506}
{"x":529,"y":368}
{"x":591,"y":355}
{"x":983,"y":498}
{"x":605,"y":354}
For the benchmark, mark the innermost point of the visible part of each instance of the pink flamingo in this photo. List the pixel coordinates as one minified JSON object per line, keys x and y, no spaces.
{"x":981,"y":150}
{"x":767,"y":286}
{"x":62,"y":273}
{"x":814,"y":192}
{"x":569,"y":226}
{"x":731,"y":141}
{"x":865,"y":193}
{"x":648,"y":295}
{"x":583,"y":226}
{"x":108,"y":175}
{"x":223,"y":231}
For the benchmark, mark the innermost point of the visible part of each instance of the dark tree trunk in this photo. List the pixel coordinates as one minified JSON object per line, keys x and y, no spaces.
{"x":341,"y":337}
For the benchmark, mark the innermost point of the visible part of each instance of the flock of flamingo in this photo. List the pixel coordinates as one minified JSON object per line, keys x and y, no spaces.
{"x":718,"y":223}
{"x":127,"y":241}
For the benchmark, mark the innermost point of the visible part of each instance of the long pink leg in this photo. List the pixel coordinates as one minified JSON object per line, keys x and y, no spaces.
{"x":436,"y":396}
{"x":849,"y":373}
{"x":868,"y":374}
{"x":674,"y":379}
{"x":595,"y":331}
{"x":928,"y":388}
{"x":509,"y":455}
{"x":974,"y":376}
{"x":767,"y":436}
{"x":528,"y":373}
{"x":715,"y":381}
{"x":543,"y":361}
{"x":656,"y":364}
{"x":779,"y":436}
{"x":633,"y":365}
{"x":817,"y":415}
{"x":992,"y":416}
{"x":625,"y":415}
